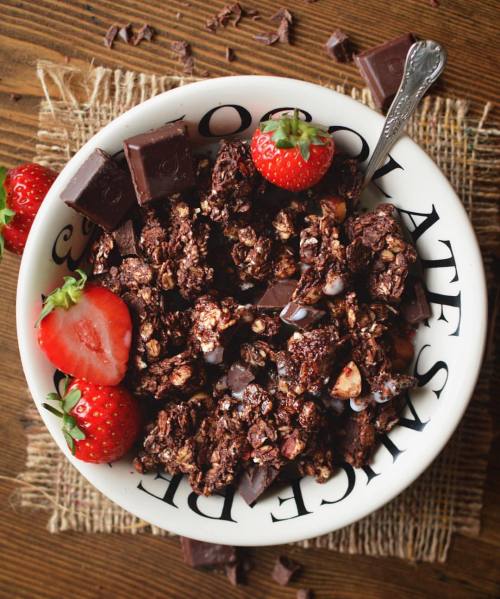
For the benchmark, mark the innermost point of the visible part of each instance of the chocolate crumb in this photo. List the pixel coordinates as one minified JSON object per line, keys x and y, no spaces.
{"x":283,"y":31}
{"x":146,"y":32}
{"x":110,"y":36}
{"x":234,"y":574}
{"x":15,"y":97}
{"x":178,"y":16}
{"x":184,"y":52}
{"x":125,"y":33}
{"x":304,"y":594}
{"x":230,"y":55}
{"x":267,"y":38}
{"x":284,"y":569}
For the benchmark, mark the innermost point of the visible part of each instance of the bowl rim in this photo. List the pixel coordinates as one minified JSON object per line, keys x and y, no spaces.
{"x":428,"y":453}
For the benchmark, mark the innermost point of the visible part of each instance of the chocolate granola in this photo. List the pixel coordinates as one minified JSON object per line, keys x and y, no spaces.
{"x":267,"y":324}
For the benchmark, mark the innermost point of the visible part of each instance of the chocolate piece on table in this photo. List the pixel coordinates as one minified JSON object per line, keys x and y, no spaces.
{"x":238,"y":377}
{"x":230,"y":55}
{"x":339,"y":46}
{"x":125,"y":33}
{"x":234,"y":574}
{"x":416,"y":309}
{"x":198,"y":554}
{"x":110,"y":36}
{"x":300,"y":316}
{"x":125,"y":239}
{"x":160,"y":162}
{"x":304,"y":594}
{"x":255,"y":480}
{"x":146,"y":32}
{"x":268,"y":38}
{"x":284,"y":569}
{"x":382,"y":68}
{"x":277,"y":295}
{"x":101,"y":191}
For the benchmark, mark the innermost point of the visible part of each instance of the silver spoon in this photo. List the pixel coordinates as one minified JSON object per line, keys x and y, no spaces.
{"x":425,"y":61}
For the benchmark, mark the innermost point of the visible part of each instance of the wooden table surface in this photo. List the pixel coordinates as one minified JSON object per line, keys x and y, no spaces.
{"x":34,"y":564}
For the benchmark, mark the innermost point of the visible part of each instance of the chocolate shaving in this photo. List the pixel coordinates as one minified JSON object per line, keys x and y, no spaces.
{"x":110,"y":36}
{"x":231,"y":13}
{"x":15,"y":97}
{"x":146,"y":32}
{"x":284,"y":569}
{"x":282,"y":13}
{"x":267,"y":38}
{"x":230,"y":55}
{"x":184,"y":52}
{"x":125,"y":33}
{"x":283,"y":31}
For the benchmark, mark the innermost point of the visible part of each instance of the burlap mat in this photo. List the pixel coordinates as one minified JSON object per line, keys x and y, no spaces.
{"x":447,"y":499}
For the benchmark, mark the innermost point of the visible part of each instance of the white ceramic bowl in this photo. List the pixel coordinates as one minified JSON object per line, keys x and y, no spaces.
{"x":448,"y":350}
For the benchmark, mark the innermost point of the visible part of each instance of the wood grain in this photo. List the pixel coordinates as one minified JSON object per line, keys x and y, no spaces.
{"x":37,"y":565}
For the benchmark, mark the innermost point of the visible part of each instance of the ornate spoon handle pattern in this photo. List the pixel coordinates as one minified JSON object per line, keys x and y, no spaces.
{"x":424,"y":63}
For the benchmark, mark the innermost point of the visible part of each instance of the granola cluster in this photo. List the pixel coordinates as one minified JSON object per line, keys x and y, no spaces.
{"x":267,"y":324}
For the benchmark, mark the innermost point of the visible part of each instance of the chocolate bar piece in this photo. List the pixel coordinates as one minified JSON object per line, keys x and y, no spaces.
{"x":277,"y":295}
{"x":198,"y":554}
{"x":300,"y":316}
{"x":339,"y":46}
{"x":304,"y":594}
{"x":416,"y":309}
{"x":101,"y":191}
{"x":125,"y":239}
{"x":160,"y":162}
{"x":382,"y":68}
{"x":238,"y":377}
{"x":284,"y":569}
{"x":255,"y":480}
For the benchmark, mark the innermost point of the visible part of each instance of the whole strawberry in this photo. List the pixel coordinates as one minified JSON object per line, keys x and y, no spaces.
{"x":291,"y":153}
{"x":100,"y":423}
{"x":86,"y":331}
{"x":22,"y":191}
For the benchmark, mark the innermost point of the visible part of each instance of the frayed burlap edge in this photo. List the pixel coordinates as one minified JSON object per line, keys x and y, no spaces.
{"x":447,"y":498}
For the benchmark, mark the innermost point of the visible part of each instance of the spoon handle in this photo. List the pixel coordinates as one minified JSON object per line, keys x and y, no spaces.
{"x":424,"y":63}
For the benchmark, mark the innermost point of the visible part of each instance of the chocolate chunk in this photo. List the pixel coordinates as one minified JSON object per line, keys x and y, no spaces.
{"x":198,"y":554}
{"x":125,"y":33}
{"x":238,"y":377}
{"x":300,"y":316}
{"x":382,"y":68}
{"x":283,"y":31}
{"x":160,"y":162}
{"x":304,"y":594}
{"x":339,"y":47}
{"x":110,"y":36}
{"x":101,"y":191}
{"x":230,"y":55}
{"x":278,"y":294}
{"x":268,"y":38}
{"x":125,"y":239}
{"x":255,"y":480}
{"x":284,"y":569}
{"x":184,"y":52}
{"x":15,"y":97}
{"x":416,"y":308}
{"x":146,"y":32}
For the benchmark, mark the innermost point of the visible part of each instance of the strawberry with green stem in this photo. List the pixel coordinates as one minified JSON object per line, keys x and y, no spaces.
{"x":100,"y":423}
{"x":85,"y":330}
{"x":292,"y":153}
{"x":22,"y":191}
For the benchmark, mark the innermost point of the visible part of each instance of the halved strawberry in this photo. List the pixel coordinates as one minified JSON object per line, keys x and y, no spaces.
{"x":86,"y":331}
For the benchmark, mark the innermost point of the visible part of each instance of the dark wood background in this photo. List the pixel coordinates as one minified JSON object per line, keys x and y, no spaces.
{"x":34,"y":564}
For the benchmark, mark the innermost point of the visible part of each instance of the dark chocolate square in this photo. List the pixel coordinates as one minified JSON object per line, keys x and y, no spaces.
{"x":160,"y":162}
{"x":101,"y":191}
{"x":198,"y":554}
{"x":382,"y":68}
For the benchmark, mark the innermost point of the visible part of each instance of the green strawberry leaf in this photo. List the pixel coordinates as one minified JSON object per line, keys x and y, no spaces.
{"x":68,"y":422}
{"x":3,"y":195}
{"x":271,"y":125}
{"x":53,"y":397}
{"x":304,"y":150}
{"x":77,"y":434}
{"x":52,"y":410}
{"x":69,"y":441}
{"x":283,"y":144}
{"x":71,"y":399}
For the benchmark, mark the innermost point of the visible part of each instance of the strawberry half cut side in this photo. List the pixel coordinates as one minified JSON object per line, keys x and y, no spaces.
{"x":86,"y":331}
